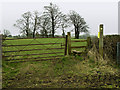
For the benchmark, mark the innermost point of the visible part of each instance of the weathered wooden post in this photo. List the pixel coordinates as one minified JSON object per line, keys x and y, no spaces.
{"x":69,"y":43}
{"x":101,"y":40}
{"x":0,"y":50}
{"x":88,"y":42}
{"x":0,"y":61}
{"x":118,"y":53}
{"x":66,"y":42}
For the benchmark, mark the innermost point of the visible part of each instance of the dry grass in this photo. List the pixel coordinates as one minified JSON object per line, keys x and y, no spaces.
{"x":95,"y":63}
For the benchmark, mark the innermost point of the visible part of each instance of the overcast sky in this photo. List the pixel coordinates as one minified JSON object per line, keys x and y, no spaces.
{"x":94,"y":12}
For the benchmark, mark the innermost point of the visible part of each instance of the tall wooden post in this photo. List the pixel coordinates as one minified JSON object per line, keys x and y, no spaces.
{"x":101,"y":40}
{"x":0,"y":50}
{"x":118,"y":53}
{"x":0,"y":61}
{"x":66,"y":42}
{"x":69,"y":43}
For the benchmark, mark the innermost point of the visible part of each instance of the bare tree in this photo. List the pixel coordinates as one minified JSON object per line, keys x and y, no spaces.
{"x":24,"y":23}
{"x":54,"y":14}
{"x":35,"y":22}
{"x":6,"y":33}
{"x":64,"y":23}
{"x":78,"y":22}
{"x":45,"y":26}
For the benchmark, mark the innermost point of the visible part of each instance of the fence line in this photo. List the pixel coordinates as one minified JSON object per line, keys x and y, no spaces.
{"x":31,"y":50}
{"x":67,"y":50}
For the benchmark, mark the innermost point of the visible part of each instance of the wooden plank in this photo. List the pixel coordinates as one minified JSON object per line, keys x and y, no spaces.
{"x":66,"y":41}
{"x":78,"y":46}
{"x":69,"y":43}
{"x":76,"y":52}
{"x":31,"y":54}
{"x":31,"y":50}
{"x":34,"y":58}
{"x":78,"y":40}
{"x":30,"y":38}
{"x":29,"y":44}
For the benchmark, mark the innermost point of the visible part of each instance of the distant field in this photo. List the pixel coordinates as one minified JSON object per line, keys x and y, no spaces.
{"x":61,"y":41}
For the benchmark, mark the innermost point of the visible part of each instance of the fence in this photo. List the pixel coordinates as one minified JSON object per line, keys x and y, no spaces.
{"x":69,"y":47}
{"x":36,"y":50}
{"x":32,"y":51}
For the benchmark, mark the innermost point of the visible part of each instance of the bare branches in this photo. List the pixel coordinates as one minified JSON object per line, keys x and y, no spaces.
{"x":49,"y":22}
{"x":53,"y":13}
{"x":78,"y":22}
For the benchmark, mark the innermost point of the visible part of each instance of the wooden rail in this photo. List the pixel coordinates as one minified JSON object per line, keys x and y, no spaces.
{"x":31,"y":38}
{"x":32,"y":50}
{"x":33,"y":58}
{"x":79,"y":41}
{"x":29,"y":44}
{"x":78,"y":46}
{"x":31,"y":54}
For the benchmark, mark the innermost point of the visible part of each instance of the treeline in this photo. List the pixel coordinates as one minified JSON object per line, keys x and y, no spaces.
{"x":45,"y":24}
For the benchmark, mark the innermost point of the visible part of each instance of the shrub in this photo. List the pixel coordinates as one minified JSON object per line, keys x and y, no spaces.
{"x":109,"y":45}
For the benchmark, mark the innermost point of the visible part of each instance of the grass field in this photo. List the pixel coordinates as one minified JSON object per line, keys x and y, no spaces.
{"x":89,"y":71}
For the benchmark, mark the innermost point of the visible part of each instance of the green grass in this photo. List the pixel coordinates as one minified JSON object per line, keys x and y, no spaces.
{"x":68,"y":72}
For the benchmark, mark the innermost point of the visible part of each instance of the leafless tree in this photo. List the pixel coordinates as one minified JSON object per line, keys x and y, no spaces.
{"x":64,"y":23}
{"x":78,"y":22}
{"x":54,"y":14}
{"x":35,"y":22}
{"x":6,"y":33}
{"x":24,"y":24}
{"x":45,"y":26}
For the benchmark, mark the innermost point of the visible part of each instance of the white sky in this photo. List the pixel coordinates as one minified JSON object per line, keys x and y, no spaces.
{"x":94,"y":12}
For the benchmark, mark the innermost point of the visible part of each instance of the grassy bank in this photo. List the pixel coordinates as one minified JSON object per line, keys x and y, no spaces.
{"x":68,"y":72}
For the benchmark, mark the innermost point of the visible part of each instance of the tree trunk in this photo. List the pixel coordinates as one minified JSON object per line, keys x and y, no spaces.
{"x":34,"y":27}
{"x":53,"y":27}
{"x":63,"y":33}
{"x":77,"y":36}
{"x":75,"y":33}
{"x":27,"y":33}
{"x":46,"y":33}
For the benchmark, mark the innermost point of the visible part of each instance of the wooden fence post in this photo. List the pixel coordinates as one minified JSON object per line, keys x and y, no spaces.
{"x":0,"y":61}
{"x":118,"y":53}
{"x":0,"y":49}
{"x":69,"y":43}
{"x":101,"y":40}
{"x":66,"y":42}
{"x":88,"y":42}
